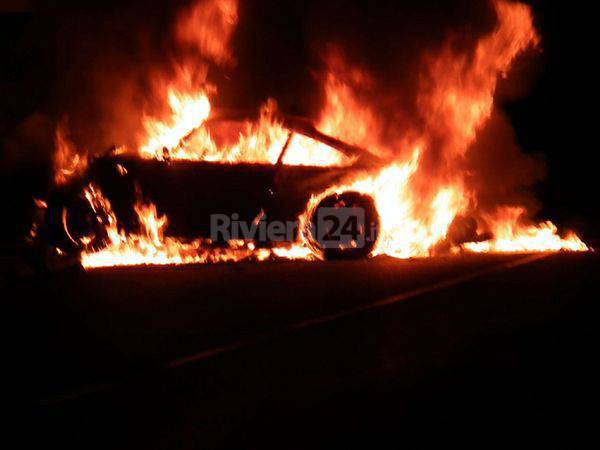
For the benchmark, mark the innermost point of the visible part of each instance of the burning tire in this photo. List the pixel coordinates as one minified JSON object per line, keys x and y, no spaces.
{"x":70,"y":225}
{"x":344,"y":226}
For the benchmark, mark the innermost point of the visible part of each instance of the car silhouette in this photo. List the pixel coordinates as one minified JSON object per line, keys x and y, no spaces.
{"x":189,"y":192}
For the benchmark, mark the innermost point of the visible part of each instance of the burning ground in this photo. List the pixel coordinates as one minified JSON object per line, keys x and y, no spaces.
{"x":452,"y":176}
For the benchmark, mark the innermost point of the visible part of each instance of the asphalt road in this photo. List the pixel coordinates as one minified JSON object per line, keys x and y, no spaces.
{"x":305,"y":355}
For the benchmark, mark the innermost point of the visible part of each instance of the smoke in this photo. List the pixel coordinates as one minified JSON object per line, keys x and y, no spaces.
{"x":113,"y":63}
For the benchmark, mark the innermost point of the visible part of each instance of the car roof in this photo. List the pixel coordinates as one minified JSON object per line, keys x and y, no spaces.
{"x":298,"y":124}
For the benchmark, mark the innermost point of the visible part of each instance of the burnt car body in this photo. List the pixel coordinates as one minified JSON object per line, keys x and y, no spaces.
{"x":188,"y":192}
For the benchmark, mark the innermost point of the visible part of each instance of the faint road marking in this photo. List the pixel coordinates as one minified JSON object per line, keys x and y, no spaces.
{"x":305,"y":324}
{"x":309,"y":323}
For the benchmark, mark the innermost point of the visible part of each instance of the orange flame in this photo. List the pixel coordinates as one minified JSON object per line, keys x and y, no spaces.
{"x":344,"y":116}
{"x":150,"y":246}
{"x":455,"y":100}
{"x":457,"y":92}
{"x":189,"y":111}
{"x":513,"y":234}
{"x":68,"y":163}
{"x":208,"y":25}
{"x":185,"y":137}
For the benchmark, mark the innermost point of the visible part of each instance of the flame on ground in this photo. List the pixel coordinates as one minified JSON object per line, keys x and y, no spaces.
{"x":512,"y":235}
{"x":150,"y":246}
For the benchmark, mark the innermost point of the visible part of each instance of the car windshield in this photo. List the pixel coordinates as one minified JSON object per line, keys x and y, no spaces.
{"x":259,"y":142}
{"x":305,"y":151}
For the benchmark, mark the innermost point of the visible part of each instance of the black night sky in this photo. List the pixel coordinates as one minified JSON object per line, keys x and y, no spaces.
{"x":50,"y":50}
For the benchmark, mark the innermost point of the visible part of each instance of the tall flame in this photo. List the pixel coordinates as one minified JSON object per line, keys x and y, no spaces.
{"x":457,"y":90}
{"x":208,"y":25}
{"x":455,"y":100}
{"x":189,"y":111}
{"x":417,"y":208}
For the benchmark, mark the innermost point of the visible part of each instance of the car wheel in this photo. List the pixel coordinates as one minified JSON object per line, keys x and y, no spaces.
{"x":344,"y":226}
{"x":71,"y":225}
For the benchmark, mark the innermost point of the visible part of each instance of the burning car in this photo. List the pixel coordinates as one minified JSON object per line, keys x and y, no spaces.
{"x":270,"y":180}
{"x":417,"y":177}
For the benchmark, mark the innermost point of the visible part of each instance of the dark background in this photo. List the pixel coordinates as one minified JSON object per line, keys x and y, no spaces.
{"x":513,"y":352}
{"x":51,"y":53}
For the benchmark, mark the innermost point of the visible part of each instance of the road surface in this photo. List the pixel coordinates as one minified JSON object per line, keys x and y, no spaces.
{"x":303,"y":355}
